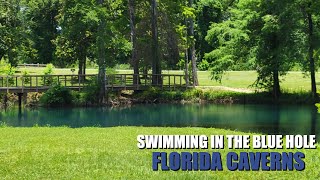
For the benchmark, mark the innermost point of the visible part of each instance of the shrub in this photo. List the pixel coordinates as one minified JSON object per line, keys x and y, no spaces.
{"x":91,"y":92}
{"x":48,"y":71}
{"x":25,"y":77}
{"x":193,"y":94}
{"x":33,"y":99}
{"x":172,"y":95}
{"x":151,"y":93}
{"x":57,"y":96}
{"x":8,"y":70}
{"x":110,"y":71}
{"x":204,"y":65}
{"x":215,"y":95}
{"x":10,"y":100}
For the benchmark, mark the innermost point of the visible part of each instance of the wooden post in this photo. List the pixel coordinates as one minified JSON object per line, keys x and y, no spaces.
{"x":37,"y":83}
{"x":125,"y":82}
{"x":79,"y":80}
{"x":22,"y":84}
{"x":7,"y":84}
{"x":20,"y":100}
{"x":169,"y":82}
{"x":5,"y":101}
{"x":145,"y":80}
{"x":112,"y":82}
{"x":174,"y":82}
{"x":25,"y":97}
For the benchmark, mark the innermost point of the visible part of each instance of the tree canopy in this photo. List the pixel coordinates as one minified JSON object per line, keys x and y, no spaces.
{"x":270,"y":37}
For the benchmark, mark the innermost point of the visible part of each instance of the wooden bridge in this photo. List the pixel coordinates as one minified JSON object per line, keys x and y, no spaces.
{"x":114,"y":82}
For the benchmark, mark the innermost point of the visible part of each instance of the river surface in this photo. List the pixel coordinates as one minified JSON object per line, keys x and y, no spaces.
{"x":267,"y":119}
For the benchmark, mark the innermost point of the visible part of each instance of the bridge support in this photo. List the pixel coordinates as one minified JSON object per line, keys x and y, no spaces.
{"x":5,"y":101}
{"x":22,"y":97}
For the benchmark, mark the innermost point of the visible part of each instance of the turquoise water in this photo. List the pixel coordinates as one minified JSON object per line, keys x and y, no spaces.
{"x":249,"y":118}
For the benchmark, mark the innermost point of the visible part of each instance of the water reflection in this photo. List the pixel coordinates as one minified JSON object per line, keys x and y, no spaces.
{"x":248,"y":118}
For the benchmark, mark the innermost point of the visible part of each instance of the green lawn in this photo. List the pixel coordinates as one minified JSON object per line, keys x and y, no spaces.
{"x":292,"y":82}
{"x":110,"y":153}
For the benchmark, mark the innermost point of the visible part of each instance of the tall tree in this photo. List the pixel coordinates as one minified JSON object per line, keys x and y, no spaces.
{"x":156,"y":64}
{"x":191,"y":49}
{"x":310,"y":15}
{"x":101,"y":44}
{"x":40,"y":19}
{"x":258,"y":30}
{"x":311,"y":54}
{"x":10,"y":30}
{"x":78,"y":24}
{"x":207,"y":12}
{"x":133,"y":35}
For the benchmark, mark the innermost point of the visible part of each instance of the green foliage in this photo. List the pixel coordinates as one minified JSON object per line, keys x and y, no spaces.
{"x":216,"y":95}
{"x":25,"y":77}
{"x":263,"y":35}
{"x":203,"y":65}
{"x":48,"y":71}
{"x":318,"y":106}
{"x":181,"y":64}
{"x":90,"y":95}
{"x":172,"y":95}
{"x":110,"y":71}
{"x":41,"y":25}
{"x":122,"y":67}
{"x":7,"y":70}
{"x":11,"y":32}
{"x":57,"y":95}
{"x":3,"y":124}
{"x":152,"y":93}
{"x":192,"y":94}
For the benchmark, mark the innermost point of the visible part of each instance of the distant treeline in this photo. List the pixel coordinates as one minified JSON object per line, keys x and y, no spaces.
{"x":271,"y":37}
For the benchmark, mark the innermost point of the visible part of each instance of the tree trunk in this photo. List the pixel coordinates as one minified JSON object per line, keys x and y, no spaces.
{"x":311,"y":58}
{"x":276,"y":84}
{"x":84,"y":66}
{"x":186,"y":68}
{"x":191,"y":50}
{"x":80,"y":71}
{"x":134,"y":59}
{"x":156,"y":65}
{"x":2,"y":53}
{"x":82,"y":59}
{"x":101,"y":57}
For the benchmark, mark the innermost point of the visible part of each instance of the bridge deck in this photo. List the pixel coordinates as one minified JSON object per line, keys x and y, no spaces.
{"x":114,"y":82}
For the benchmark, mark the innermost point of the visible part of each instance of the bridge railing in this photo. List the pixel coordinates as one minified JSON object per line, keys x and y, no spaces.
{"x":41,"y":81}
{"x":77,"y":82}
{"x":32,"y":65}
{"x":170,"y":81}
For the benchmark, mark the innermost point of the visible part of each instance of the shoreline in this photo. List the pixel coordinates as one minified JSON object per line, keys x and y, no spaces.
{"x":156,"y":96}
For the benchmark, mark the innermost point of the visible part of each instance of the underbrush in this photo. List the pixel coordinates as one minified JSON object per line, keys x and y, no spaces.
{"x":224,"y":97}
{"x":60,"y":96}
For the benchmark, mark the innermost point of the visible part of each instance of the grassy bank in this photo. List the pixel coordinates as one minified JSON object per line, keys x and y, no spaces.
{"x":219,"y":96}
{"x":111,"y":153}
{"x":155,"y":95}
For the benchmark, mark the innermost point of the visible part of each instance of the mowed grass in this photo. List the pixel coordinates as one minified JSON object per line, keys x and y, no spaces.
{"x":112,"y":153}
{"x":292,"y":82}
